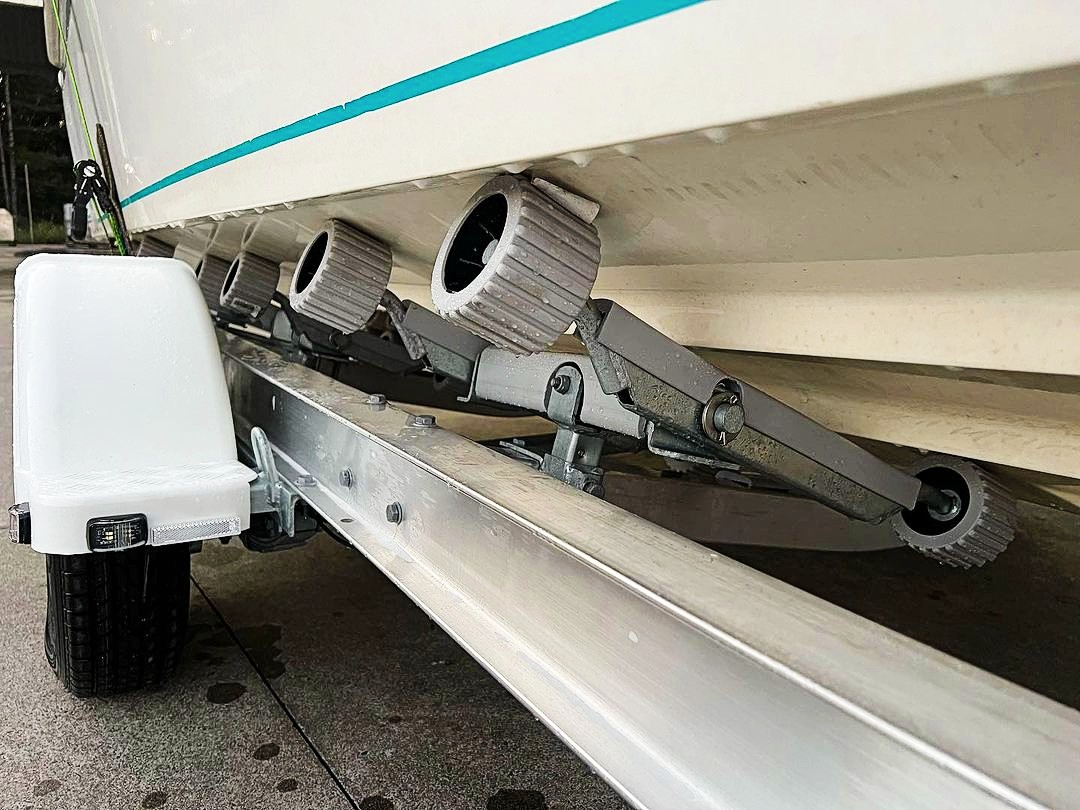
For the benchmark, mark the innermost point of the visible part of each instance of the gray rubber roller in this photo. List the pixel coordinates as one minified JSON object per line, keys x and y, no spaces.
{"x":249,"y":284}
{"x":211,"y":272}
{"x":341,"y":277}
{"x":983,"y":524}
{"x":515,"y":268}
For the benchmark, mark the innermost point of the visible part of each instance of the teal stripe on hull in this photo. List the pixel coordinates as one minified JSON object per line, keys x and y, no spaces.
{"x":604,"y":20}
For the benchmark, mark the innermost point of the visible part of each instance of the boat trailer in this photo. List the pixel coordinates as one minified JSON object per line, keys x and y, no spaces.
{"x":682,"y":677}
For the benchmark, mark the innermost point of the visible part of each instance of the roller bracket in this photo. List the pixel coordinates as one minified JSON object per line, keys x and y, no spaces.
{"x":280,"y":517}
{"x":575,"y":453}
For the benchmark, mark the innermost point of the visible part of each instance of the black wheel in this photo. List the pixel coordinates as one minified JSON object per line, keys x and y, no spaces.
{"x":980,"y":527}
{"x":116,"y":620}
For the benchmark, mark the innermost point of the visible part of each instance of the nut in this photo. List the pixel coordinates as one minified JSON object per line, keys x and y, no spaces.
{"x":561,"y":384}
{"x":394,"y":512}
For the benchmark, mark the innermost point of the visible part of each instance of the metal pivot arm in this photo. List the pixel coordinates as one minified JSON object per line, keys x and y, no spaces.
{"x":517,"y":267}
{"x":675,"y":389}
{"x":694,"y":410}
{"x":450,"y":350}
{"x":643,"y":385}
{"x":306,"y":339}
{"x":397,"y":312}
{"x":524,"y":381}
{"x":559,"y":385}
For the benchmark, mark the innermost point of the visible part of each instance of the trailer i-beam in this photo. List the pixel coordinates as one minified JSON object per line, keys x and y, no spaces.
{"x":687,"y":680}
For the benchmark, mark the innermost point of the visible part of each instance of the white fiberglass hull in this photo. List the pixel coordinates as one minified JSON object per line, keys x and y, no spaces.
{"x":870,"y":212}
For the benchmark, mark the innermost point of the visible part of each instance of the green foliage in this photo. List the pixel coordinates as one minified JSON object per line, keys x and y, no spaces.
{"x":45,"y":233}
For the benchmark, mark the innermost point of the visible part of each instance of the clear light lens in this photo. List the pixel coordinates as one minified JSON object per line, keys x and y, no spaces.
{"x":116,"y":532}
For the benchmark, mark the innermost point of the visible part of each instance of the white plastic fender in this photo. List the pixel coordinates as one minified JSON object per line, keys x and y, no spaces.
{"x":120,"y":404}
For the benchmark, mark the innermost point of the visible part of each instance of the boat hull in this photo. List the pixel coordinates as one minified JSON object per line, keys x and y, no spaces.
{"x":869,"y":213}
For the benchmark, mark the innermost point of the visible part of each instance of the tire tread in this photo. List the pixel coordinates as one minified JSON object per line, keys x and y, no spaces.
{"x":116,"y":621}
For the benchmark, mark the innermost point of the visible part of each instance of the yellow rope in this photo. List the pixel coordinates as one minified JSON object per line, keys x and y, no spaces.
{"x":86,"y":127}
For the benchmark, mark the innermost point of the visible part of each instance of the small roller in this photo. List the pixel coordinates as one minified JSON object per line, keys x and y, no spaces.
{"x":249,"y":285}
{"x":974,"y":521}
{"x":341,"y":277}
{"x":151,"y":247}
{"x":210,"y":272}
{"x":516,"y":267}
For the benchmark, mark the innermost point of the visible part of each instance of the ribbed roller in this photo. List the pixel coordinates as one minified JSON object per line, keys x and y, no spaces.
{"x":341,"y":277}
{"x":151,"y":247}
{"x":981,"y":529}
{"x":249,"y":284}
{"x":211,"y":272}
{"x":515,"y":268}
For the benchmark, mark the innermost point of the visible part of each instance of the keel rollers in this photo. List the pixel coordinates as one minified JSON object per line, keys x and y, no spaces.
{"x":155,"y":248}
{"x":249,"y":285}
{"x":979,"y":525}
{"x":210,"y":273}
{"x":341,"y":277}
{"x":516,"y":267}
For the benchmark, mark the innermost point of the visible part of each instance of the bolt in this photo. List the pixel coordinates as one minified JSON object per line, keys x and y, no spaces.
{"x":560,"y":384}
{"x":394,"y":513}
{"x":377,"y":400}
{"x":345,"y":477}
{"x":729,"y":418}
{"x":942,"y":504}
{"x":594,"y":488}
{"x":422,"y":420}
{"x":305,"y":481}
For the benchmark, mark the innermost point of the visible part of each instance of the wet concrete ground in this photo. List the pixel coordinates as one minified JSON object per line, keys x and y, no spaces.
{"x":310,"y":681}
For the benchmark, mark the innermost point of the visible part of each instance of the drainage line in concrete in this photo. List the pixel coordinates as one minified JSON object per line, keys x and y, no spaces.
{"x":277,"y":698}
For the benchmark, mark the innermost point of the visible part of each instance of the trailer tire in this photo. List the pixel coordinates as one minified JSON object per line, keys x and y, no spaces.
{"x":116,"y":621}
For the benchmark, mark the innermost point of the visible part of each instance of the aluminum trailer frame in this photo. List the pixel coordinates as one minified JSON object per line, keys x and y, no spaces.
{"x":686,"y":679}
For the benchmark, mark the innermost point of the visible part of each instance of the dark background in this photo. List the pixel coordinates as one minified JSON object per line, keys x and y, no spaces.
{"x":32,"y":126}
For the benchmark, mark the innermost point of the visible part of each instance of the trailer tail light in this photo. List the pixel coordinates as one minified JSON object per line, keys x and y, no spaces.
{"x":116,"y":532}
